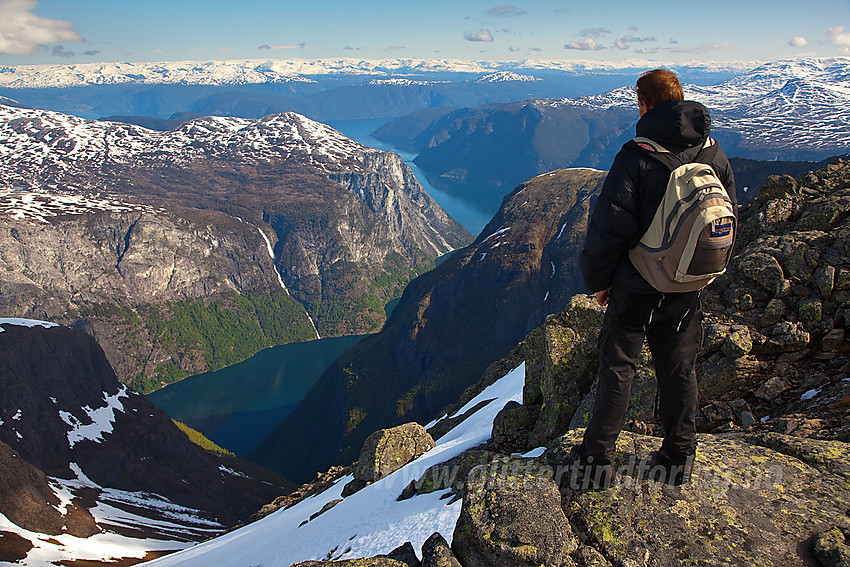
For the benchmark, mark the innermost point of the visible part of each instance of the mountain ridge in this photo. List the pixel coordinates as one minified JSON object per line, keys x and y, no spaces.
{"x":784,"y":110}
{"x":283,"y":208}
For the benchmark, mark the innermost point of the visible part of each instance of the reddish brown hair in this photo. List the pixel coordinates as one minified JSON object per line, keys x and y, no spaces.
{"x":659,"y":85}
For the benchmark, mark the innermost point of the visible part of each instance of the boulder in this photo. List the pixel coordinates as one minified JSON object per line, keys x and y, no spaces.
{"x":387,"y":450}
{"x":831,"y":548}
{"x":437,"y":553}
{"x":511,"y":517}
{"x":406,"y":554}
{"x":738,"y":342}
{"x":764,"y":269}
{"x":452,"y":473}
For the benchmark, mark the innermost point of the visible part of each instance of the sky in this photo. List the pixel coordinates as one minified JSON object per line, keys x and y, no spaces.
{"x":87,"y":31}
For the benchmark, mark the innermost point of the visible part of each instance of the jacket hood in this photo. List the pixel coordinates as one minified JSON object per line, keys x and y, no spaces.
{"x":676,"y":124}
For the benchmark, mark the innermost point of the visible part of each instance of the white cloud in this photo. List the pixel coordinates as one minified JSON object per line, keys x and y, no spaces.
{"x":798,"y":42}
{"x":588,"y":44}
{"x":839,"y":38}
{"x":513,"y":48}
{"x":482,"y":35}
{"x":22,"y":32}
{"x":279,"y":47}
{"x":593,"y":32}
{"x":506,"y":10}
{"x":623,"y":42}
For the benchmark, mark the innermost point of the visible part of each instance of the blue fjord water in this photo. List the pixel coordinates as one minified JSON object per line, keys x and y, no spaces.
{"x":239,"y":405}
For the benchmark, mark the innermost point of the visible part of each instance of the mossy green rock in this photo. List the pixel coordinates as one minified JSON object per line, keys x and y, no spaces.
{"x":738,"y":342}
{"x":387,"y":450}
{"x":832,"y":550}
{"x":561,"y":364}
{"x":745,"y":505}
{"x":774,"y":312}
{"x":437,"y":553}
{"x":452,"y":473}
{"x":512,"y":517}
{"x":764,"y":269}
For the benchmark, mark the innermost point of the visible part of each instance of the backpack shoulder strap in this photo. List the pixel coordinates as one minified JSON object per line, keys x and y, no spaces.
{"x":661,"y":154}
{"x":656,"y":151}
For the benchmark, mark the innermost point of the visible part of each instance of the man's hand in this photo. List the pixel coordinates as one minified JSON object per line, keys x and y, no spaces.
{"x":603,"y":296}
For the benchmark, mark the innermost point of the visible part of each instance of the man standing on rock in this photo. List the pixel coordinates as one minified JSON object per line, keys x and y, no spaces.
{"x":671,"y":322}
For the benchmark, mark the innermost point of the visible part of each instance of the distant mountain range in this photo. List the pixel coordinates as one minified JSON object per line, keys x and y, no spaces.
{"x":241,"y":72}
{"x":785,"y":110}
{"x":283,"y":222}
{"x":324,"y":90}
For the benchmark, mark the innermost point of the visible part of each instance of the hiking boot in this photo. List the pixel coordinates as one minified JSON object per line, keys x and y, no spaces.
{"x":669,"y":470}
{"x":587,"y":472}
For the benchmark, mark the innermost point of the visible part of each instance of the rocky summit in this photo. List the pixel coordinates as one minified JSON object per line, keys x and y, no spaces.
{"x":277,"y":229}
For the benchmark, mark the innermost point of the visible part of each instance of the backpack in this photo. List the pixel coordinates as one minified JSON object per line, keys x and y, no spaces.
{"x":690,"y":240}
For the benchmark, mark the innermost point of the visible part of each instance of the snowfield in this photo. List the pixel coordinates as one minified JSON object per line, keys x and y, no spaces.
{"x":367,"y":523}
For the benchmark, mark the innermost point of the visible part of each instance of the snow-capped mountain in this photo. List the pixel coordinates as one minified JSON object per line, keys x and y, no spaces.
{"x":36,"y":141}
{"x":777,"y":110}
{"x":504,"y":77}
{"x":784,"y":110}
{"x":253,"y":71}
{"x":220,"y":204}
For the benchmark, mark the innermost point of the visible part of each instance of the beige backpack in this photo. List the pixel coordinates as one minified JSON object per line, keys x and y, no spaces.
{"x":690,"y":240}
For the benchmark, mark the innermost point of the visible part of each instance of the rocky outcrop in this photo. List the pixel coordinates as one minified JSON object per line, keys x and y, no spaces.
{"x":437,"y":553}
{"x":440,"y":340}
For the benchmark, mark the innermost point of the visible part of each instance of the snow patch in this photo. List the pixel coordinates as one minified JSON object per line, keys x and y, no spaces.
{"x":231,"y":472}
{"x":101,"y":419}
{"x":25,"y":323}
{"x":810,"y":394}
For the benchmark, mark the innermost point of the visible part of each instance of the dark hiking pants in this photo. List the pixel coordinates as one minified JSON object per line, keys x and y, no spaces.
{"x":672,"y":325}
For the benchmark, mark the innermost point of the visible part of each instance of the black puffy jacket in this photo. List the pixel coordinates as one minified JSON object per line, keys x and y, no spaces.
{"x":633,"y":190}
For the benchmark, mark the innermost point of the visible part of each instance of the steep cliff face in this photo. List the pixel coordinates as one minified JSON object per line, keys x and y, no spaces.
{"x":77,"y":444}
{"x":450,"y":324}
{"x":103,"y":224}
